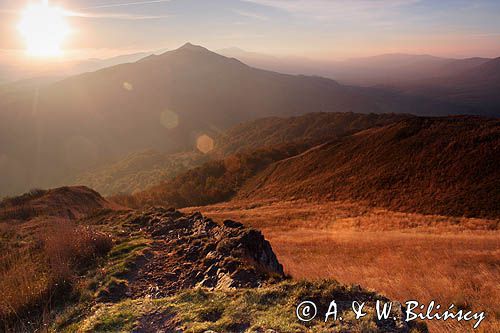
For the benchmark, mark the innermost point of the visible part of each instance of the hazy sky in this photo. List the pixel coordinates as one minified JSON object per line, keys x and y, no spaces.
{"x":312,"y":28}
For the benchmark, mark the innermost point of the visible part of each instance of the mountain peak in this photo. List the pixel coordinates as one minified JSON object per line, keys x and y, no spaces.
{"x":192,"y":47}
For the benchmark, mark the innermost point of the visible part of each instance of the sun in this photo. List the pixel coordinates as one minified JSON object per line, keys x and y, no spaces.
{"x":44,"y":29}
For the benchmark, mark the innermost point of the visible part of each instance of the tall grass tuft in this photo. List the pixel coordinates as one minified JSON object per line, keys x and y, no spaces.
{"x":34,"y":279}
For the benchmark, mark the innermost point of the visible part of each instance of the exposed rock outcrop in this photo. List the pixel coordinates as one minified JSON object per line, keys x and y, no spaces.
{"x":193,"y":251}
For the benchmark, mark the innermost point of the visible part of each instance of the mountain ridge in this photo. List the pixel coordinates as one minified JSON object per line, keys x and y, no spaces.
{"x":163,"y":102}
{"x":443,"y":165}
{"x":409,"y":166}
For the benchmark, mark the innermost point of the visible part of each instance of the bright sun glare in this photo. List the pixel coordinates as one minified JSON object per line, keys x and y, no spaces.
{"x":44,"y":29}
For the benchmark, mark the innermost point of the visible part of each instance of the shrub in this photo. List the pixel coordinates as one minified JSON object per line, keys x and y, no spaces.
{"x":71,"y":249}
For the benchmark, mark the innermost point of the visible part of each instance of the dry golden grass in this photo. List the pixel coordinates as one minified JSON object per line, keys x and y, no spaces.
{"x":23,"y":282}
{"x":40,"y":269}
{"x":404,"y":256}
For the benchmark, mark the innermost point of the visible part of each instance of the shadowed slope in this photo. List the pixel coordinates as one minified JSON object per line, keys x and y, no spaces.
{"x":139,"y":171}
{"x":429,"y":165}
{"x":310,"y":128}
{"x":249,"y":148}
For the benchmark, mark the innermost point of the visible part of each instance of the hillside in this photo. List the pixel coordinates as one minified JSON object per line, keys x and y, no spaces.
{"x":426,"y":165}
{"x":443,"y":166}
{"x":248,"y":148}
{"x":160,"y":270}
{"x":162,"y":102}
{"x":65,"y":202}
{"x":139,"y":171}
{"x":308,"y":128}
{"x":214,"y":181}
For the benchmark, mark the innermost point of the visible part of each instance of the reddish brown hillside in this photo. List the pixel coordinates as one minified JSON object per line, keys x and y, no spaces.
{"x":314,"y":127}
{"x":249,"y":148}
{"x":66,"y":202}
{"x":445,"y":166}
{"x":142,"y":170}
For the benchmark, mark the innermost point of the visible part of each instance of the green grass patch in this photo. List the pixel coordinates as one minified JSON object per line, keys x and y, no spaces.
{"x":249,"y":310}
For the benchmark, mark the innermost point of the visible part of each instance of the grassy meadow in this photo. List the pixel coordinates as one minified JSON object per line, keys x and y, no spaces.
{"x":403,"y":256}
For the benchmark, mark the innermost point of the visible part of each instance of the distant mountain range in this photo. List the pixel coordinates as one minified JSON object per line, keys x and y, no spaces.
{"x":475,"y":87}
{"x":471,"y":82}
{"x":398,"y":68}
{"x":50,"y":133}
{"x":382,"y":69}
{"x":12,"y":70}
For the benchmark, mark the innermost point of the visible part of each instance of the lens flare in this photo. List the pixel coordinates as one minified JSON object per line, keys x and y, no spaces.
{"x":128,"y":86}
{"x":169,"y":119}
{"x":205,"y":144}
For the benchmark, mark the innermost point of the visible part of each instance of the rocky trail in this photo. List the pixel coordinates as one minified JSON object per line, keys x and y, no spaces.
{"x":190,"y":251}
{"x":211,"y":271}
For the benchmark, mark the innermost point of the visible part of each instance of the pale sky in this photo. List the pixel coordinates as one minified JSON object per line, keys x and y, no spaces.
{"x":322,"y":29}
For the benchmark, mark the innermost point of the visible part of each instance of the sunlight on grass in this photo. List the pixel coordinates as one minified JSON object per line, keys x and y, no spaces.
{"x":403,"y":256}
